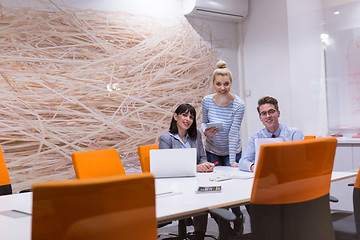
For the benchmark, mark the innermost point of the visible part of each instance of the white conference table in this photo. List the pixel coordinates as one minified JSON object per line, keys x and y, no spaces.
{"x":176,"y":198}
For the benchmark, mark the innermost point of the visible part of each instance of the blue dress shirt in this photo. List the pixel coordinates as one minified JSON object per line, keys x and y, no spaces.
{"x":185,"y":144}
{"x":286,"y":133}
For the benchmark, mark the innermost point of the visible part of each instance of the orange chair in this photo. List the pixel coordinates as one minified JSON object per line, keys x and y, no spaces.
{"x":290,"y":194}
{"x":332,"y":198}
{"x":144,"y":156}
{"x":5,"y":183}
{"x":97,"y":163}
{"x":309,"y":137}
{"x":115,"y":207}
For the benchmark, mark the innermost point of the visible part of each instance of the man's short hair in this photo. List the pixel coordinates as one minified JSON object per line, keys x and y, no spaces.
{"x":267,"y":99}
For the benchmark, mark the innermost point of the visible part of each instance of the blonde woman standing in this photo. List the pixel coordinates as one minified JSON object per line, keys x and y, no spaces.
{"x":223,"y":147}
{"x":228,"y":109}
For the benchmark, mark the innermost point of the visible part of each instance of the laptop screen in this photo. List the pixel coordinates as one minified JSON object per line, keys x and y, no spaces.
{"x":261,"y":141}
{"x":178,"y":162}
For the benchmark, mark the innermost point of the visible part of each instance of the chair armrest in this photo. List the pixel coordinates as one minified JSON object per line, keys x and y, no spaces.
{"x":25,"y":190}
{"x":223,"y":213}
{"x":333,"y":199}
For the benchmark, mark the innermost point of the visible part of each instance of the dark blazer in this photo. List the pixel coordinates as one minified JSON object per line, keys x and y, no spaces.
{"x":167,"y":142}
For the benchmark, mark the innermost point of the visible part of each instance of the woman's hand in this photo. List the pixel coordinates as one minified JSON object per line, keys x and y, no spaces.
{"x":210,"y":132}
{"x":205,"y":167}
{"x":234,"y":164}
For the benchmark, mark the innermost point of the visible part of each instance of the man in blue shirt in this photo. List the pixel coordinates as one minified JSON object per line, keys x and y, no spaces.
{"x":269,"y":114}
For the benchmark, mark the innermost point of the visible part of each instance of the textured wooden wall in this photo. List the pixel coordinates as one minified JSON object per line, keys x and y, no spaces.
{"x":74,"y":80}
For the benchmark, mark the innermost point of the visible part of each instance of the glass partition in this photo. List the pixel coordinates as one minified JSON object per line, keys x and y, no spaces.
{"x":341,"y":40}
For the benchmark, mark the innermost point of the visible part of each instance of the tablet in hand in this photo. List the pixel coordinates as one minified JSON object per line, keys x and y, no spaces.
{"x":218,"y":125}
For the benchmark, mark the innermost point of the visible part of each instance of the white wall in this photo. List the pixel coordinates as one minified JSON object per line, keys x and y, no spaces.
{"x":223,"y":36}
{"x":283,"y":59}
{"x":266,"y":59}
{"x":307,"y":66}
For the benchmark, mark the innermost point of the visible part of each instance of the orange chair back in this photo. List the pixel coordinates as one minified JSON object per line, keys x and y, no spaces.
{"x":291,"y":172}
{"x":115,"y":207}
{"x":357,"y":180}
{"x":97,"y":163}
{"x":290,"y":194}
{"x":309,"y":137}
{"x":144,"y":156}
{"x":5,"y":183}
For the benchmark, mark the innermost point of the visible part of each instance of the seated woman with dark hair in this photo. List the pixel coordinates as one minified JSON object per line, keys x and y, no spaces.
{"x":184,"y":134}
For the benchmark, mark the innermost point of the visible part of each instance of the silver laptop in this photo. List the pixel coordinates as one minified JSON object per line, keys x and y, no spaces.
{"x":261,"y":141}
{"x":178,"y":162}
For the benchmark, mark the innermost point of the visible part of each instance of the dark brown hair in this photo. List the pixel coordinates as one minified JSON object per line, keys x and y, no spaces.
{"x":184,"y":108}
{"x":265,"y":100}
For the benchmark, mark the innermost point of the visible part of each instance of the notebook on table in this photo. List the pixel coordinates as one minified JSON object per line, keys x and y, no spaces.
{"x":178,"y":162}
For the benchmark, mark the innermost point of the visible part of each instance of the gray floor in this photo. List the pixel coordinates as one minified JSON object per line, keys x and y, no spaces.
{"x":212,"y":228}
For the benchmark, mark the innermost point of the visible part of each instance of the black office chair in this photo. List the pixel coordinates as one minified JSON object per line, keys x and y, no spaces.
{"x":347,"y":224}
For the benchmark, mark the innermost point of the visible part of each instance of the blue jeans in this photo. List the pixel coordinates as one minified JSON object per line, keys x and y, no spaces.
{"x":222,"y":160}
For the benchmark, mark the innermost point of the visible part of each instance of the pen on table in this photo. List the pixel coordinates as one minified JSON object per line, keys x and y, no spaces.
{"x":163,"y":193}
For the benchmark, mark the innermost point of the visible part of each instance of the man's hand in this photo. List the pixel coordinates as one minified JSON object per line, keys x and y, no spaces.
{"x":252,"y":167}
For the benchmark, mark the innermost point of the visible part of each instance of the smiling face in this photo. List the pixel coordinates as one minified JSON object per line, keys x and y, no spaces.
{"x":222,"y":84}
{"x":269,"y":116}
{"x":184,"y":121}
